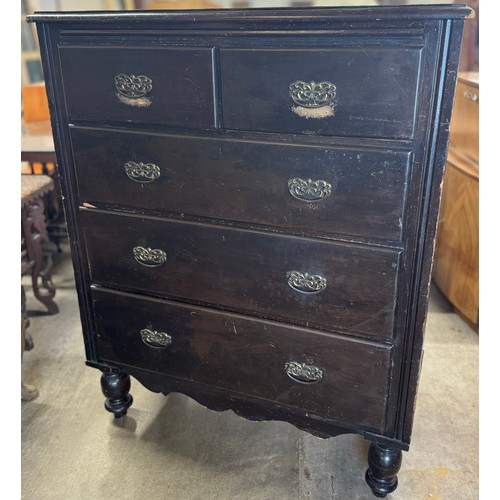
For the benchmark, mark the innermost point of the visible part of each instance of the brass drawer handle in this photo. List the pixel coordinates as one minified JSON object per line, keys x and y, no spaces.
{"x":309,"y":190}
{"x":142,"y":172}
{"x":312,"y":94}
{"x":132,"y":86}
{"x":303,"y":373}
{"x":152,"y":338}
{"x":313,"y":100}
{"x":151,"y":257}
{"x":304,"y":282}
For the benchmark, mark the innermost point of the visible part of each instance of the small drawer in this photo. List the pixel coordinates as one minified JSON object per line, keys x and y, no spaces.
{"x":314,"y":283}
{"x":139,"y":85}
{"x":328,"y":376}
{"x":368,"y":92}
{"x":318,"y":191}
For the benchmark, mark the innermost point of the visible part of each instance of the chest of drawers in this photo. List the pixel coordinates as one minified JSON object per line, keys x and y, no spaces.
{"x":251,"y":198}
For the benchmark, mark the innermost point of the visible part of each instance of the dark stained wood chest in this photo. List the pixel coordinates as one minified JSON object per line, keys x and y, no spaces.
{"x":251,"y":199}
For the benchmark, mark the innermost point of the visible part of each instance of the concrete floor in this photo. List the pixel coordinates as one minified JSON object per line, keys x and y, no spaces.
{"x":173,"y":448}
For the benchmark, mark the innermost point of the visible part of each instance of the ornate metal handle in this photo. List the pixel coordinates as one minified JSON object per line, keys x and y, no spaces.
{"x":471,"y":96}
{"x":152,"y":338}
{"x":142,"y":172}
{"x":133,"y":86}
{"x":309,"y":190}
{"x":312,"y":94}
{"x":303,"y":282}
{"x":151,"y":257}
{"x":303,"y":373}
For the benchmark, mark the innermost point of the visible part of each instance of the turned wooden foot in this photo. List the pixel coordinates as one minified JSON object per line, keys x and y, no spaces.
{"x":116,"y":386}
{"x":383,"y":466}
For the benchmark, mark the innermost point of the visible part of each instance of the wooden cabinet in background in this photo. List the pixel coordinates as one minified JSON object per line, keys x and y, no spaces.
{"x":456,"y":262}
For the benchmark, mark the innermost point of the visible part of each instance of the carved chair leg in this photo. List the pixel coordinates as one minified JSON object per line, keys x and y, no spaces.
{"x":116,"y":386}
{"x":34,"y":231}
{"x":383,"y":466}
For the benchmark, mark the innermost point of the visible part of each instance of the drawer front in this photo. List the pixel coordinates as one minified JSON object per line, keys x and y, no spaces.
{"x":368,"y":92}
{"x":308,"y":282}
{"x":306,"y":190}
{"x":328,"y":376}
{"x":139,"y":85}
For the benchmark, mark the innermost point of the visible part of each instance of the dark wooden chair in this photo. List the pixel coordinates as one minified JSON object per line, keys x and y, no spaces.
{"x":33,"y":235}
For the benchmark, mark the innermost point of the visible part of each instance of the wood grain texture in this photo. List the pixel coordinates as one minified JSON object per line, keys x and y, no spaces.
{"x":456,"y":262}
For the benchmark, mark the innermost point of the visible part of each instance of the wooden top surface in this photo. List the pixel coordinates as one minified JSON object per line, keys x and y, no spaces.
{"x":33,"y":186}
{"x":276,"y":15}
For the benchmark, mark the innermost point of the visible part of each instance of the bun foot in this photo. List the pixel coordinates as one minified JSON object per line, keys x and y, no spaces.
{"x":116,"y":386}
{"x":383,"y":466}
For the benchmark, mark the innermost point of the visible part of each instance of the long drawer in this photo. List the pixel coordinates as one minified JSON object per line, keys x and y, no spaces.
{"x":309,"y":282}
{"x":325,"y":375}
{"x":303,"y":189}
{"x":361,"y":91}
{"x":164,"y":85}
